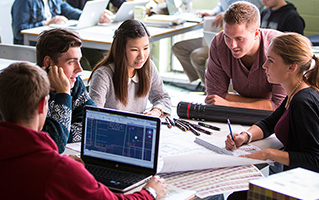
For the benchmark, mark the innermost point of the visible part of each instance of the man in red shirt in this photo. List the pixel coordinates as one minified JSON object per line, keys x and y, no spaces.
{"x":31,"y":166}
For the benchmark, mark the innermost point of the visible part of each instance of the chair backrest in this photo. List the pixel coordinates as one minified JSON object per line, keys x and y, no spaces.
{"x":18,"y":52}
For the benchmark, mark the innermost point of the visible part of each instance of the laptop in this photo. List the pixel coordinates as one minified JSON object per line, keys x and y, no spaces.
{"x":187,"y":16}
{"x":126,"y":10}
{"x":117,"y":144}
{"x":90,"y":16}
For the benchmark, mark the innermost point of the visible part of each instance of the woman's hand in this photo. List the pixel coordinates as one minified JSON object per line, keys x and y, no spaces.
{"x":239,"y":140}
{"x":156,"y":112}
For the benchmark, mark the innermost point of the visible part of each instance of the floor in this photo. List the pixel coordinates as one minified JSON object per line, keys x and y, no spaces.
{"x":178,"y":94}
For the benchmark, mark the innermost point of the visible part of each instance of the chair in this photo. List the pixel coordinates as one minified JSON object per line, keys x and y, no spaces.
{"x":18,"y":52}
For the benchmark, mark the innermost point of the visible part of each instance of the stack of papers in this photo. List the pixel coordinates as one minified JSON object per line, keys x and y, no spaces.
{"x":296,"y":183}
{"x":163,"y":20}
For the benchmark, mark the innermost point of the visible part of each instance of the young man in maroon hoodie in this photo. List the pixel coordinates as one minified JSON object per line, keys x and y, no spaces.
{"x":31,"y":166}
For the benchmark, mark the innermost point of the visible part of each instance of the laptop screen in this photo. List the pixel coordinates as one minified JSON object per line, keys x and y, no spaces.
{"x":171,"y":7}
{"x":121,"y":137}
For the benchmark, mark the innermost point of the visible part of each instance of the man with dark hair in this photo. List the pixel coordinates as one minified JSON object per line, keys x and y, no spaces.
{"x":34,"y":13}
{"x":237,"y":53}
{"x":31,"y":165}
{"x":58,"y":51}
{"x":282,"y":16}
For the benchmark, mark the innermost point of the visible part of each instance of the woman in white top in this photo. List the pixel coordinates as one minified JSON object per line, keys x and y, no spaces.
{"x":126,"y":78}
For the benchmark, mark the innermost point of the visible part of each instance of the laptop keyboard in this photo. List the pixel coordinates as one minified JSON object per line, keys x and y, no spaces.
{"x":114,"y":175}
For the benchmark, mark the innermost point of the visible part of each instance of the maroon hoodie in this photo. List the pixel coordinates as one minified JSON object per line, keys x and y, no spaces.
{"x":32,"y":168}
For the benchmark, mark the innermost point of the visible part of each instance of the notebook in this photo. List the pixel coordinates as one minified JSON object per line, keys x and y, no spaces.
{"x":126,"y":10}
{"x":90,"y":16}
{"x":119,"y":141}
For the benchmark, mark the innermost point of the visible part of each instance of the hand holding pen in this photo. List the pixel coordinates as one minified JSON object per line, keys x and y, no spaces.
{"x":231,"y":133}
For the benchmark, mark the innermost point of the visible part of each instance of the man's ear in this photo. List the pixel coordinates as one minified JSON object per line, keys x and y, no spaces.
{"x":47,"y":61}
{"x":41,"y":105}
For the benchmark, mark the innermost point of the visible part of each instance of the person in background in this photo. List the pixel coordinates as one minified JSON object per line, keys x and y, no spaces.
{"x":193,"y":53}
{"x":80,"y":3}
{"x":237,"y":53}
{"x":291,"y":63}
{"x":30,"y":161}
{"x":127,"y":78}
{"x":282,"y":16}
{"x":35,"y":13}
{"x":59,"y":52}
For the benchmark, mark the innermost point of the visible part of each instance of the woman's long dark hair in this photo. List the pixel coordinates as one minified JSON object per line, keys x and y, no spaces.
{"x":128,"y":29}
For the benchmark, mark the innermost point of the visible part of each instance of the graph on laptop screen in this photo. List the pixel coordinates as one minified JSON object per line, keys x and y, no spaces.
{"x":120,"y":138}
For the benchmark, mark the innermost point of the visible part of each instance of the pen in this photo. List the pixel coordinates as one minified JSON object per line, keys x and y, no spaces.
{"x":169,"y":125}
{"x":197,"y":127}
{"x":183,"y":121}
{"x":192,"y":129}
{"x":47,"y":68}
{"x":181,"y":126}
{"x":209,"y":126}
{"x":170,"y":121}
{"x":231,"y":132}
{"x":188,"y":126}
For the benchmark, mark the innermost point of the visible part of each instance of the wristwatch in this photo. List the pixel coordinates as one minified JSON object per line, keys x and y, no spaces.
{"x":151,"y":191}
{"x":250,"y":136}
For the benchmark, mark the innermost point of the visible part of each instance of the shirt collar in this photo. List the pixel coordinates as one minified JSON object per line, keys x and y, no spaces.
{"x":134,"y":79}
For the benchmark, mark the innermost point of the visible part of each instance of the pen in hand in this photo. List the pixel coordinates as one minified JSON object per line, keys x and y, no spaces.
{"x":231,"y":132}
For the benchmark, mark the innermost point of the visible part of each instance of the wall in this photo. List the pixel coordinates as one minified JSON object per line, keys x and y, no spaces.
{"x":309,"y":10}
{"x":204,"y":4}
{"x":5,"y":22}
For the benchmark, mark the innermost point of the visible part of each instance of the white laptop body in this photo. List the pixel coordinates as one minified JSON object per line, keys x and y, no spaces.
{"x":173,"y":10}
{"x":126,"y":11}
{"x":90,"y":16}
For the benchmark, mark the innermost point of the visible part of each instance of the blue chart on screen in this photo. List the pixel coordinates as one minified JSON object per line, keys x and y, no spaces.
{"x":120,"y":139}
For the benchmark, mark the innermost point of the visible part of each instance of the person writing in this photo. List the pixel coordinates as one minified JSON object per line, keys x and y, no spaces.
{"x":236,"y":55}
{"x":126,"y":78}
{"x":30,"y":162}
{"x":296,"y":121}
